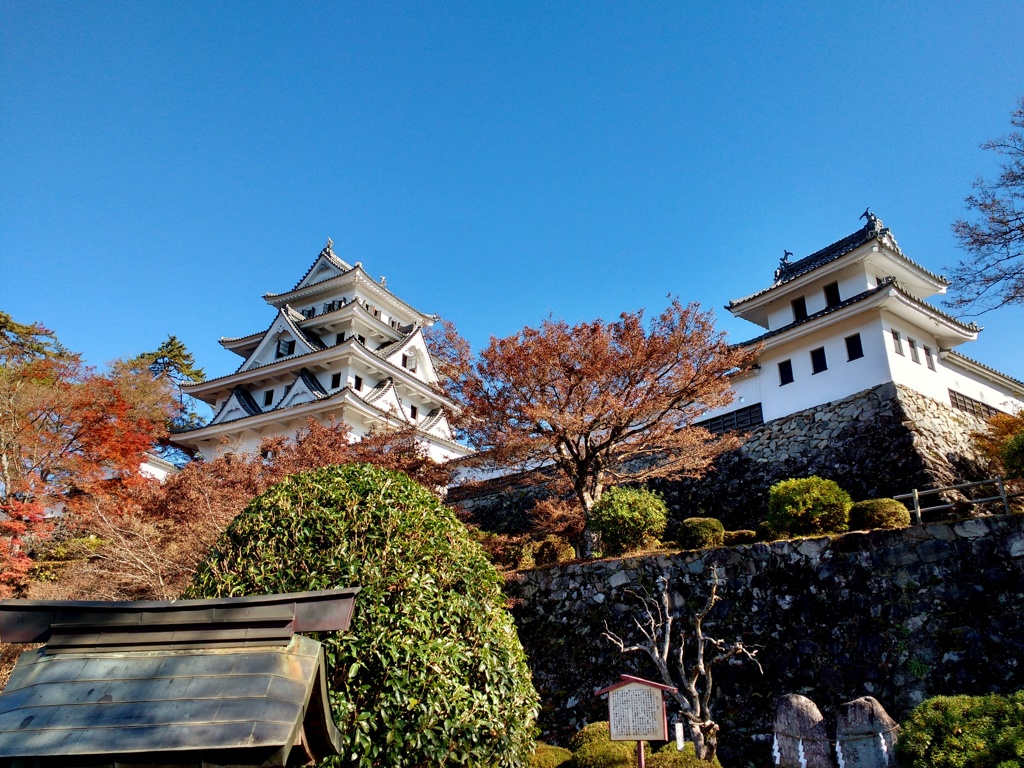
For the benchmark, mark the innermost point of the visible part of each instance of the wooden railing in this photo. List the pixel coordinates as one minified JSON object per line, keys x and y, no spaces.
{"x":997,"y":481}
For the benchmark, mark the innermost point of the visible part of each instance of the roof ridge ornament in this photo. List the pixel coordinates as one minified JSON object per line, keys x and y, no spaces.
{"x":871,"y":221}
{"x":783,"y":263}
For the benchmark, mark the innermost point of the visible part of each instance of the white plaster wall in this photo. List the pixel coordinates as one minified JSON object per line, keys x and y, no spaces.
{"x":842,"y":378}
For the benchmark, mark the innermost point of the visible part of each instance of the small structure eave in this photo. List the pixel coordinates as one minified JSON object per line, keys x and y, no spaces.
{"x":840,"y":250}
{"x":984,"y":371}
{"x":873,"y":297}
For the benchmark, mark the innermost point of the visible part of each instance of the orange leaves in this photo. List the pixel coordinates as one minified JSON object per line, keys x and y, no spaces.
{"x":605,"y":402}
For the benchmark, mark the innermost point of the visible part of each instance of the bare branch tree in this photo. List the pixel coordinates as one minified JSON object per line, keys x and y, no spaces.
{"x":694,"y":680}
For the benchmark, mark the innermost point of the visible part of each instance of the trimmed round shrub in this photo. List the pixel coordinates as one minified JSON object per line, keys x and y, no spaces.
{"x":700,"y":533}
{"x":598,"y":731}
{"x":808,"y":506}
{"x":964,"y":732}
{"x":552,"y":550}
{"x":878,"y":513}
{"x":432,"y":671}
{"x":1012,"y":454}
{"x":733,"y":538}
{"x":548,"y":756}
{"x":670,"y":757}
{"x":628,"y":519}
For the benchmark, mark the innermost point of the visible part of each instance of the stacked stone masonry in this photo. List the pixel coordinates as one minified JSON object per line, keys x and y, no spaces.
{"x":898,"y":615}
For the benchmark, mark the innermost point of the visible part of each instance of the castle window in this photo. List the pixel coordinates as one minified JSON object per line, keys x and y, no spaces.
{"x":358,"y":385}
{"x":929,"y":358}
{"x":268,"y":397}
{"x":405,"y":361}
{"x":413,"y":411}
{"x":971,"y":406}
{"x":742,"y":418}
{"x":913,"y":351}
{"x":285,"y":347}
{"x":335,"y":380}
{"x":818,"y":363}
{"x":361,"y":339}
{"x":785,"y":372}
{"x":897,"y":343}
{"x":340,"y":339}
{"x":308,"y":313}
{"x":799,"y":309}
{"x":854,"y":348}
{"x":832,"y":295}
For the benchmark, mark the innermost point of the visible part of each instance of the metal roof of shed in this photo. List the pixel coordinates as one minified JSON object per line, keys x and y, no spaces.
{"x":185,"y":684}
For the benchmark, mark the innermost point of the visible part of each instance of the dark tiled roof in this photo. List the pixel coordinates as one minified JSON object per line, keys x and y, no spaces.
{"x":886,"y":283}
{"x":387,"y":350}
{"x":241,"y":394}
{"x":224,"y":681}
{"x":872,"y":230}
{"x":381,"y":389}
{"x":312,"y":340}
{"x":312,"y":383}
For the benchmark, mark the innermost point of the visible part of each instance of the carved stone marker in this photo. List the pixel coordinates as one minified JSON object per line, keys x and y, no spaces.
{"x":865,"y":734}
{"x":801,"y":740}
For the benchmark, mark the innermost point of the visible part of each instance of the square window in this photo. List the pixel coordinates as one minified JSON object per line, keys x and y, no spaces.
{"x":929,"y":358}
{"x":339,"y":339}
{"x":913,"y":351}
{"x":799,"y":309}
{"x":335,"y":380}
{"x":358,"y":385}
{"x":268,"y":397}
{"x":361,"y":339}
{"x":832,"y":295}
{"x":854,"y":348}
{"x":818,"y":363}
{"x":785,"y":372}
{"x":897,"y":344}
{"x":405,"y":361}
{"x":413,"y":411}
{"x":285,"y":347}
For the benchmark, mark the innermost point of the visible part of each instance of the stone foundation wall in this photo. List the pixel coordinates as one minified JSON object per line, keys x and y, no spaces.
{"x":898,"y":615}
{"x":878,"y":443}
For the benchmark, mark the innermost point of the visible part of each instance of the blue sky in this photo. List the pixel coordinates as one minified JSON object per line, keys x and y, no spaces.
{"x":162,"y":165}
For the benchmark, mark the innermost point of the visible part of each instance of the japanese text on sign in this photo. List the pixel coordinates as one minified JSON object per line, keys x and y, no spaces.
{"x":636,"y":712}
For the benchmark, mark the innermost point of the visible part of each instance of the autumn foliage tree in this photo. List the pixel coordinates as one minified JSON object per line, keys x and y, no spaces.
{"x":66,"y":431}
{"x":154,"y":539}
{"x":606,"y":403}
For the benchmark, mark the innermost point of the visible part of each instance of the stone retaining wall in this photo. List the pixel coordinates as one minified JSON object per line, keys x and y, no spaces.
{"x":898,"y":615}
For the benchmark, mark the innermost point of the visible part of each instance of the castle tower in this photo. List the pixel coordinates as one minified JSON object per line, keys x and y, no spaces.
{"x":340,"y":346}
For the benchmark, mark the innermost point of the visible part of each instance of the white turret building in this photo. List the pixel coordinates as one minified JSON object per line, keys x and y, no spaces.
{"x":341,"y":346}
{"x":848,"y":318}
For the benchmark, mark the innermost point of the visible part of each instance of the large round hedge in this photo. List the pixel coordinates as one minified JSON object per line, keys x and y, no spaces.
{"x":431,"y":671}
{"x":628,"y":518}
{"x":808,"y":506}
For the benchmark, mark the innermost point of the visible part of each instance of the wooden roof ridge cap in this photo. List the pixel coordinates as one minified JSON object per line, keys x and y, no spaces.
{"x":627,"y":679}
{"x":315,"y":611}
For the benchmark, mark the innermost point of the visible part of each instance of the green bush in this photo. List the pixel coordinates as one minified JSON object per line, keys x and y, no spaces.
{"x":669,"y":757}
{"x":552,"y":550}
{"x":628,"y":519}
{"x":808,"y":506}
{"x":548,"y":756}
{"x":733,"y":538}
{"x":1012,"y":454}
{"x":964,"y":732}
{"x":878,"y":513}
{"x":432,"y":671}
{"x":700,"y":533}
{"x":591,"y":732}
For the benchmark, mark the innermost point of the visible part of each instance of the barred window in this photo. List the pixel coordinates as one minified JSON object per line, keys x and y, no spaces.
{"x":971,"y":406}
{"x":741,"y":418}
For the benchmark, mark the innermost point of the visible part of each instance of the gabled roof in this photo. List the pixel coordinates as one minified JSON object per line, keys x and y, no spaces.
{"x":224,"y":681}
{"x":304,"y":388}
{"x":326,"y":258}
{"x":885,"y":286}
{"x":240,"y":400}
{"x":873,"y":229}
{"x":285,"y":320}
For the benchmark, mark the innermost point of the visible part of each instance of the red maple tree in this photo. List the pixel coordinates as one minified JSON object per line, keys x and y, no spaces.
{"x":606,"y":403}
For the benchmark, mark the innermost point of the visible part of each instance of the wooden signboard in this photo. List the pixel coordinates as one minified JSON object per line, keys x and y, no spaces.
{"x":636,"y":710}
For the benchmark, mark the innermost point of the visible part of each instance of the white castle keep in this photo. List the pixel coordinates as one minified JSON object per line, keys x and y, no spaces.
{"x":341,"y":346}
